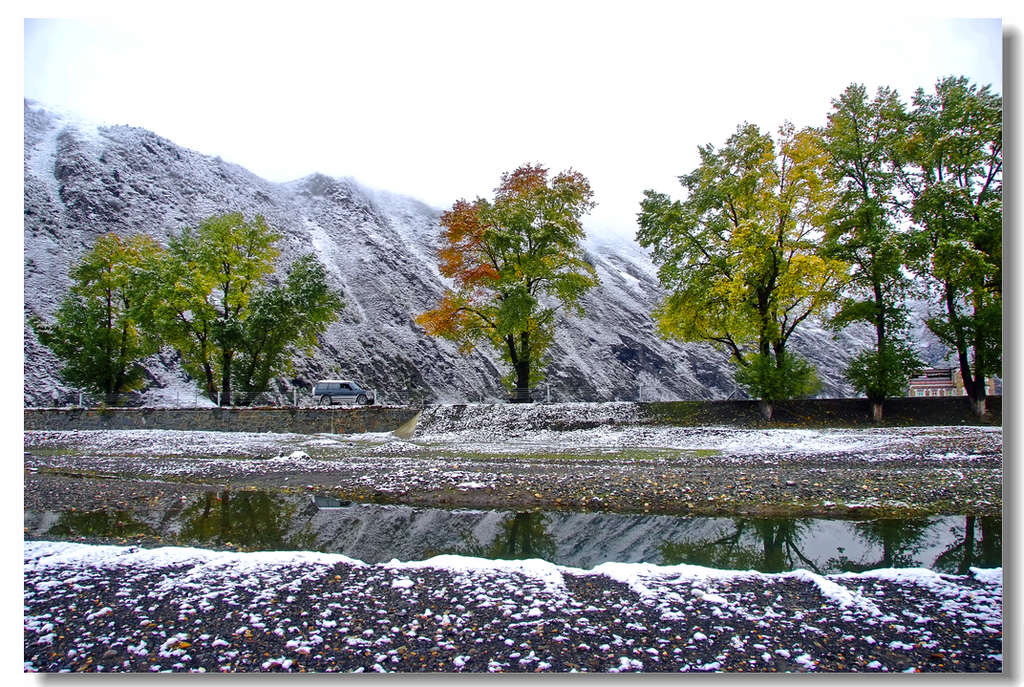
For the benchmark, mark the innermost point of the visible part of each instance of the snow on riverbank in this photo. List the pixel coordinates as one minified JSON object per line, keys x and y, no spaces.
{"x":725,"y":441}
{"x":609,"y":467}
{"x":113,"y":608}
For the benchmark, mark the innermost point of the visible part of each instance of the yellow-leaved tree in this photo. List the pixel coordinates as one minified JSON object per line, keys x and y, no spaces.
{"x":740,"y":255}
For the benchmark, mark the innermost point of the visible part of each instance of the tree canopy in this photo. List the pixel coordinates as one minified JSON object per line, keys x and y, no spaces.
{"x":207,"y":280}
{"x":209,"y":295}
{"x":100,"y":329}
{"x":952,"y":171}
{"x":865,"y":231}
{"x":740,"y":254}
{"x":514,"y":262}
{"x":283,"y":321}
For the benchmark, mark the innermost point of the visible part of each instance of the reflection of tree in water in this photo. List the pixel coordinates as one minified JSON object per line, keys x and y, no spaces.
{"x":99,"y":523}
{"x":724,"y":552}
{"x":776,"y":547}
{"x":522,"y":535}
{"x":966,"y":552}
{"x":248,"y":519}
{"x":900,"y":540}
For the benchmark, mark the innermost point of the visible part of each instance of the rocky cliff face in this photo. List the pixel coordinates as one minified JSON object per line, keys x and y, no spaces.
{"x":82,"y":181}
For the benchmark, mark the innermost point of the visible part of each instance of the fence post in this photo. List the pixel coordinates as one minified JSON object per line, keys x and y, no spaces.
{"x":218,"y":399}
{"x":79,"y":399}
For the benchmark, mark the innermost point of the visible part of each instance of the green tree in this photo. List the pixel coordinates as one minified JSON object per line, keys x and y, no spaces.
{"x":953,"y":175}
{"x":860,"y":138}
{"x":883,"y":373}
{"x":99,"y":330}
{"x":515,"y":261}
{"x":284,"y":320}
{"x":208,"y":279}
{"x":783,"y":375}
{"x":740,"y":255}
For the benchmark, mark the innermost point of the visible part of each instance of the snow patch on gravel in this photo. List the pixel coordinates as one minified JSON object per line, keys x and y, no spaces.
{"x":303,"y":606}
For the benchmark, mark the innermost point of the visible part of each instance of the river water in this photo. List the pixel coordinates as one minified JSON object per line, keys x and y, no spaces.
{"x":259,"y":520}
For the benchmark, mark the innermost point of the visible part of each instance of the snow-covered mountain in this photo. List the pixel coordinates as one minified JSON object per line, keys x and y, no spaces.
{"x":83,"y":180}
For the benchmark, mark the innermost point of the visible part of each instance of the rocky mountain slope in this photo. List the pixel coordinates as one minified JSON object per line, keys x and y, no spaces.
{"x":82,"y":181}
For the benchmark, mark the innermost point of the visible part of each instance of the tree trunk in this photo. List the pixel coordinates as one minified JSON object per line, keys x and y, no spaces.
{"x":980,"y":365}
{"x":968,"y":560}
{"x":225,"y":515}
{"x":211,"y":386}
{"x":991,"y":530}
{"x":107,"y":347}
{"x":974,"y":387}
{"x":522,"y":392}
{"x":225,"y":383}
{"x":774,"y":554}
{"x":880,"y":344}
{"x":767,"y":408}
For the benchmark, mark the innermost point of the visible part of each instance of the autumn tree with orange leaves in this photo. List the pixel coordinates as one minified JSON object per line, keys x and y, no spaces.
{"x":514,"y":262}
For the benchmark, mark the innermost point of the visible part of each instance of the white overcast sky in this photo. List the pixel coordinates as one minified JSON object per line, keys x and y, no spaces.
{"x":436,"y":99}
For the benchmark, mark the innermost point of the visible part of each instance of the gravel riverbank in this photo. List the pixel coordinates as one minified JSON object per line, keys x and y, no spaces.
{"x":113,"y":609}
{"x":898,"y":472}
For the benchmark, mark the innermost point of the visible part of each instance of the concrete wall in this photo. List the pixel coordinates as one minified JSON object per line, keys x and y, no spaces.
{"x":347,"y":420}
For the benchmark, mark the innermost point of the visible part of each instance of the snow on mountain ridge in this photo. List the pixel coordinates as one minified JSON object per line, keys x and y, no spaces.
{"x":379,"y":249}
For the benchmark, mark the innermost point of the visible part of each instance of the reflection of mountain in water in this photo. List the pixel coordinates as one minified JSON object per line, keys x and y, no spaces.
{"x":255,"y":520}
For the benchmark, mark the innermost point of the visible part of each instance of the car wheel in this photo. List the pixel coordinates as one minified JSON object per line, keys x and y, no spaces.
{"x":361,"y":400}
{"x":325,"y":400}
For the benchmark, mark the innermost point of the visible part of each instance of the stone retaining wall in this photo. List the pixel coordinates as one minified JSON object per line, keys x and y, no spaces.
{"x":344,"y":420}
{"x":840,"y":412}
{"x":825,"y":412}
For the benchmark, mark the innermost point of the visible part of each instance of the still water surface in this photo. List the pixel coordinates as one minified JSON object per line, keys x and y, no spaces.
{"x":258,"y":520}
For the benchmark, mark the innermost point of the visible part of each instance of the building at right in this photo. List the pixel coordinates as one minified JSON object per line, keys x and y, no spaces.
{"x":947,"y":381}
